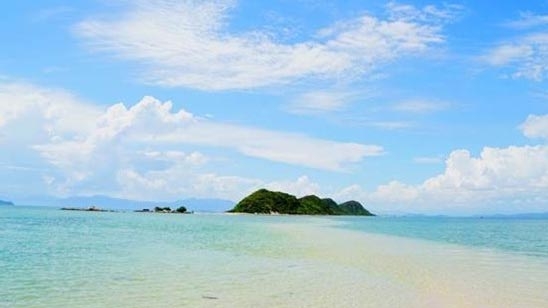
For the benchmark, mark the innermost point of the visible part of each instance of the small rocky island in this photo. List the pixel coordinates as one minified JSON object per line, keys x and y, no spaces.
{"x":158,"y":209}
{"x":87,"y":209}
{"x":265,"y":201}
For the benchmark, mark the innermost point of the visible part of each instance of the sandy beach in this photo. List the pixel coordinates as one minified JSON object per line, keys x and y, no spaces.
{"x":356,"y":269}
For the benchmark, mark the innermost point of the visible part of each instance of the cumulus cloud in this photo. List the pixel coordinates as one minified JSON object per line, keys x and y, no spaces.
{"x":150,"y":144}
{"x":508,"y":179}
{"x":58,"y":111}
{"x":151,"y":121}
{"x":30,"y":115}
{"x":511,"y":179}
{"x":510,"y":169}
{"x":188,"y":43}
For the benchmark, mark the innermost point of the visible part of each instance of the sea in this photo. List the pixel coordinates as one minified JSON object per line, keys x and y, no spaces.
{"x":55,"y":258}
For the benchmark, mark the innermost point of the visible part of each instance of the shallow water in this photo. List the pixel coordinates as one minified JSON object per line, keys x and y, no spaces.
{"x":521,"y":235}
{"x":52,"y":258}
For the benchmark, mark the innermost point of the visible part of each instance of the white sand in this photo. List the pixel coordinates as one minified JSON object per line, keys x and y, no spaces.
{"x":354,"y":269}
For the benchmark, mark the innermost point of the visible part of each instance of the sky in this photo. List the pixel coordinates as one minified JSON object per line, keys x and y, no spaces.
{"x":408,"y":107}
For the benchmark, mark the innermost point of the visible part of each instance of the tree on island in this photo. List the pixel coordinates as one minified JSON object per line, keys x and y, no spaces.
{"x":181,"y":209}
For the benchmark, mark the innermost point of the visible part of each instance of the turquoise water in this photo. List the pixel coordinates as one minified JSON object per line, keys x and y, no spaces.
{"x":45,"y":253}
{"x":526,"y":236}
{"x":53,"y":258}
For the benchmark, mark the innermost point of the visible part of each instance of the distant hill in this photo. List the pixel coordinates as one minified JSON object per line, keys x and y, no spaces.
{"x":106,"y":202}
{"x":2,"y":202}
{"x":265,"y":201}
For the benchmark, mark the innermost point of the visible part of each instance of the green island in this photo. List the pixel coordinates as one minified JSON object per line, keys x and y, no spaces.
{"x":2,"y":202}
{"x":265,"y":201}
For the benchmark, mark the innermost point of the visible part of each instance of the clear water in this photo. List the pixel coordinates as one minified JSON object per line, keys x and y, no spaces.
{"x":527,"y":236}
{"x":53,"y":258}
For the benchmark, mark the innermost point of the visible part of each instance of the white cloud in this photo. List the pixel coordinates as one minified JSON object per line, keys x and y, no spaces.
{"x":187,"y":43}
{"x":59,"y":112}
{"x":303,"y":186}
{"x":321,"y":101}
{"x":142,"y":152}
{"x":512,"y":179}
{"x":509,"y":169}
{"x":30,"y":115}
{"x":448,"y":12}
{"x":508,"y":53}
{"x":505,"y":180}
{"x":421,"y":106}
{"x":255,"y":142}
{"x":529,"y":20}
{"x":394,"y":192}
{"x":178,"y":181}
{"x":89,"y":149}
{"x":526,"y":56}
{"x":535,"y":126}
{"x":194,"y":158}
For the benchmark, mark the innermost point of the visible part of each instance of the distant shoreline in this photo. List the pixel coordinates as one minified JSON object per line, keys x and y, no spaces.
{"x":8,"y":203}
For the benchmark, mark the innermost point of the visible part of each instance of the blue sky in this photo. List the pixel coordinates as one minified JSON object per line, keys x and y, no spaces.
{"x":424,"y":106}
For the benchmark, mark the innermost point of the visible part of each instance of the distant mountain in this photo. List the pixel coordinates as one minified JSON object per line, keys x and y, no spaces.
{"x":106,"y":202}
{"x":269,"y":202}
{"x":2,"y":202}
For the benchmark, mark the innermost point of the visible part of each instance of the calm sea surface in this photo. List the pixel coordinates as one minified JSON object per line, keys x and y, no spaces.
{"x":518,"y":235}
{"x":53,"y":258}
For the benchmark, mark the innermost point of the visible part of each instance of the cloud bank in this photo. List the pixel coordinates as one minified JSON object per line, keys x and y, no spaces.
{"x":149,"y":146}
{"x":511,"y":179}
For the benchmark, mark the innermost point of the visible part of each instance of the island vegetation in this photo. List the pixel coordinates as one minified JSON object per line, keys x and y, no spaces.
{"x":265,"y":201}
